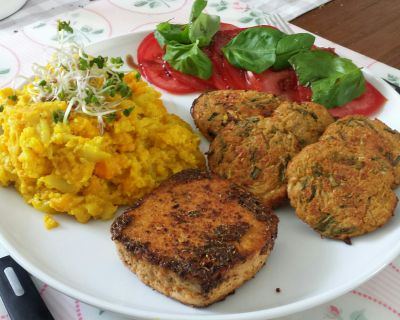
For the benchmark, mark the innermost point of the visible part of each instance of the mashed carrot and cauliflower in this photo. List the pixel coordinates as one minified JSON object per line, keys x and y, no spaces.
{"x":73,"y":167}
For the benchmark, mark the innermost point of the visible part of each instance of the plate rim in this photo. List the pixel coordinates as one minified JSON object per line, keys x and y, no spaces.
{"x":263,"y":314}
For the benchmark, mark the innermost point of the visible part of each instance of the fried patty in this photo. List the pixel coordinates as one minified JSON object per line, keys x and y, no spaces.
{"x":307,"y":121}
{"x":368,"y":134}
{"x":254,"y":153}
{"x":196,"y":238}
{"x":341,"y":191}
{"x":213,"y":110}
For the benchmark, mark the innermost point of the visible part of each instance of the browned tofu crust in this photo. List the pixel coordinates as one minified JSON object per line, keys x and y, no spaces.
{"x":213,"y":110}
{"x":196,"y":238}
{"x":254,"y":153}
{"x":341,"y":191}
{"x":368,"y":134}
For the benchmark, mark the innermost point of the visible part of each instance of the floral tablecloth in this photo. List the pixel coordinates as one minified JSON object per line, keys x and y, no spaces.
{"x":378,"y":298}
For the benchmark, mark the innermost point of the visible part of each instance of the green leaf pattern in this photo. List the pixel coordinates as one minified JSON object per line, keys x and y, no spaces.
{"x":335,"y":313}
{"x":4,"y":71}
{"x":220,"y":6}
{"x":253,"y":16}
{"x":153,"y":3}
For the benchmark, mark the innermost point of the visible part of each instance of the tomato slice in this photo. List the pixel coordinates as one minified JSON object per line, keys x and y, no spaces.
{"x":227,"y":26}
{"x":157,"y":74}
{"x":366,"y":104}
{"x":225,"y":76}
{"x":281,"y":83}
{"x":161,"y":74}
{"x":304,"y":93}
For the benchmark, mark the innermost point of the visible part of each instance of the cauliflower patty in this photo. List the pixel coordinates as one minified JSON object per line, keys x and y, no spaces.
{"x":341,"y":191}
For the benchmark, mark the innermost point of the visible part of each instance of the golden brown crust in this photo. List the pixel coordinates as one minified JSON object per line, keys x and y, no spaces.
{"x":341,"y":191}
{"x":369,"y":134}
{"x":198,"y":228}
{"x":213,"y":110}
{"x":254,"y":153}
{"x":170,"y":284}
{"x":307,"y":121}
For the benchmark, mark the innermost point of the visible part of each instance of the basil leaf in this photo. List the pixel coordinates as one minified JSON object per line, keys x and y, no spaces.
{"x":188,"y":58}
{"x":312,"y":65}
{"x":203,"y":29}
{"x":253,"y":49}
{"x":197,"y":7}
{"x":338,"y":89}
{"x":334,"y":81}
{"x":166,"y":32}
{"x":290,"y":45}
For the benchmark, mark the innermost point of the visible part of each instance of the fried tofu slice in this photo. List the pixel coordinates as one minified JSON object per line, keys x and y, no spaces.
{"x":196,"y":238}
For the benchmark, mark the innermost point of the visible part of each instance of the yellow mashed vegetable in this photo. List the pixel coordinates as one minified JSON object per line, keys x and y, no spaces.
{"x":72,"y":168}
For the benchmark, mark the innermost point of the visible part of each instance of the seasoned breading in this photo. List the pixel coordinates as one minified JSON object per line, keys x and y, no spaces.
{"x":341,"y":191}
{"x":368,"y":134}
{"x":392,"y":139}
{"x":213,"y":110}
{"x":254,"y":153}
{"x":196,"y":238}
{"x":307,"y":121}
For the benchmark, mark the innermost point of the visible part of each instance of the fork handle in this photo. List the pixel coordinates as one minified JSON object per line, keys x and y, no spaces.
{"x":19,"y":294}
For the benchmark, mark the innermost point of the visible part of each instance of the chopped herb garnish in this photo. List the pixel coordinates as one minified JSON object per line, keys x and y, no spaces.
{"x":213,"y":115}
{"x":282,"y":175}
{"x":58,"y":116}
{"x":13,"y":97}
{"x":193,"y":213}
{"x":117,"y":61}
{"x":64,"y":26}
{"x":42,"y":83}
{"x":253,"y":155}
{"x":1,"y":108}
{"x":83,"y":64}
{"x":124,"y":90}
{"x":128,"y":111}
{"x":313,"y":192}
{"x":138,"y":76}
{"x":111,"y":117}
{"x":99,"y":61}
{"x":255,"y":173}
{"x":325,"y":222}
{"x":61,"y":95}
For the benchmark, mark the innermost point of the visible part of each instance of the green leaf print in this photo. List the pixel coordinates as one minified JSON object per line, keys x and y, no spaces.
{"x":98,"y":31}
{"x":245,"y":19}
{"x":358,"y":315}
{"x":140,"y":3}
{"x":4,"y":71}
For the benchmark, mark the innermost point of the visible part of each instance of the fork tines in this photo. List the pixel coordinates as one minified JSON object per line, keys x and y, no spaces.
{"x":276,"y":20}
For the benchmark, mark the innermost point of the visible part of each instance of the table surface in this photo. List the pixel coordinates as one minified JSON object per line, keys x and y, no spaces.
{"x":371,"y":27}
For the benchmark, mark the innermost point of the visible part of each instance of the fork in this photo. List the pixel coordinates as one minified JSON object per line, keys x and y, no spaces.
{"x":276,"y":20}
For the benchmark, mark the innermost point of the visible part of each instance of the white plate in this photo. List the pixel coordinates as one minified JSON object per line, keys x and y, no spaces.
{"x":8,"y":8}
{"x":81,"y":261}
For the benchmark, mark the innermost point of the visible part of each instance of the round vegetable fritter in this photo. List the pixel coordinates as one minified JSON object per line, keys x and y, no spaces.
{"x":341,"y":191}
{"x":368,"y":134}
{"x":213,"y":110}
{"x":254,"y":153}
{"x":307,"y":121}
